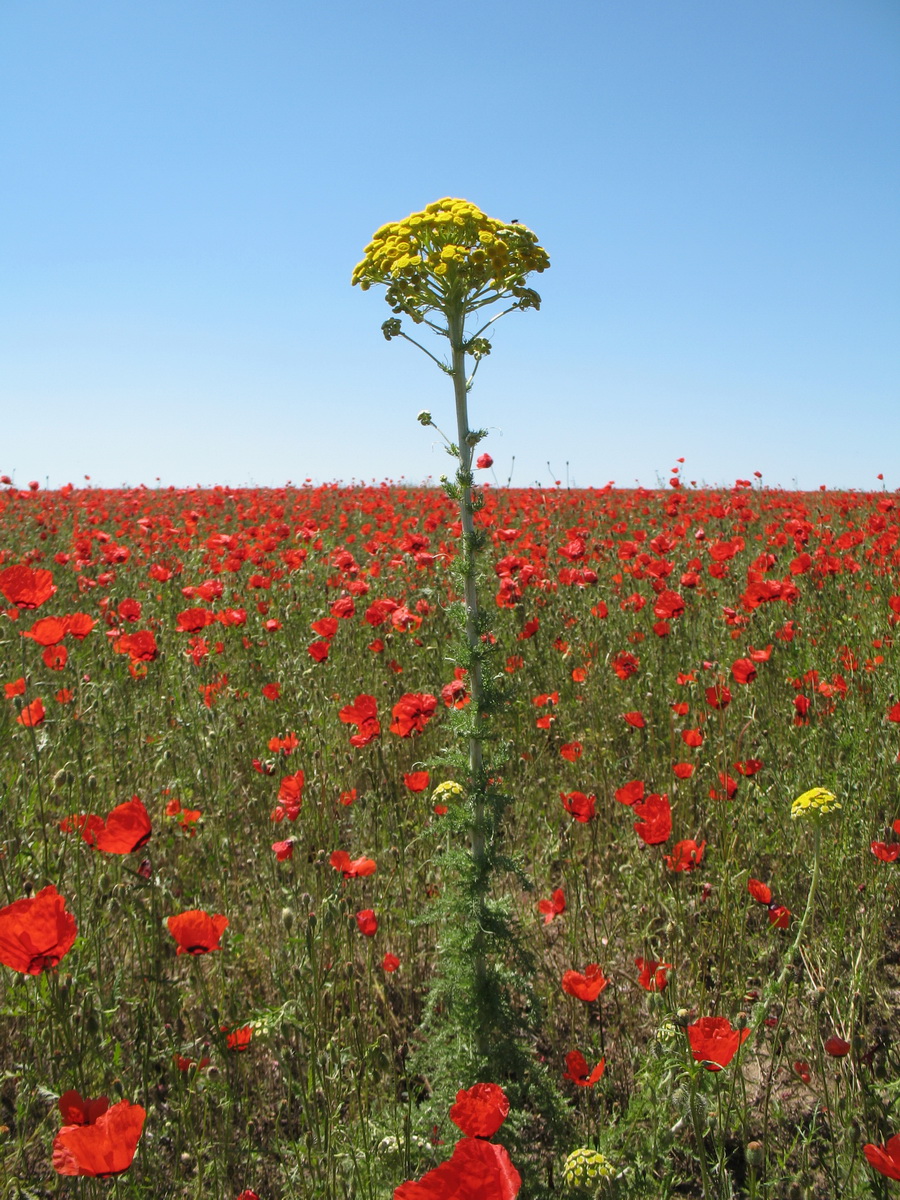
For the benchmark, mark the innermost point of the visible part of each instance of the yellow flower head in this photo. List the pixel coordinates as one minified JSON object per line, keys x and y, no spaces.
{"x":451,"y":252}
{"x":586,"y":1168}
{"x":449,"y":790}
{"x":815,"y":803}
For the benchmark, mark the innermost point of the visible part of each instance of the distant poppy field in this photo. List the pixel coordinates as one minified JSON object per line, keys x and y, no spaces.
{"x":228,"y":813}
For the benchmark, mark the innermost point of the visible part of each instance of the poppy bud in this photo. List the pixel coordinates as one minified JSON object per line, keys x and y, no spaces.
{"x":287,"y":919}
{"x":312,"y":920}
{"x":92,"y":782}
{"x":91,"y":1024}
{"x":741,"y":1021}
{"x":755,"y":1155}
{"x":818,"y":996}
{"x":28,"y":888}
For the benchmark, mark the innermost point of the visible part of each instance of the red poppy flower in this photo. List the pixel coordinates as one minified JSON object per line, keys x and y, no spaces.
{"x":759,"y":891}
{"x":718,"y":696}
{"x":354,"y":869}
{"x":248,"y":1194}
{"x":78,"y":1111}
{"x":326,"y":628}
{"x":779,"y":916}
{"x":126,"y":829}
{"x":55,"y":657}
{"x":367,"y":922}
{"x":32,"y":714}
{"x":26,"y":588}
{"x":894,"y":712}
{"x":87,"y":824}
{"x":417,"y":781}
{"x":140,"y":646}
{"x":284,"y":850}
{"x":480,"y":1110}
{"x":578,"y":1071}
{"x":318,"y":651}
{"x":837,"y":1047}
{"x":283,"y":745}
{"x":685,"y":856}
{"x":886,"y":851}
{"x":629,"y":793}
{"x":683,"y":770}
{"x":412,"y":713}
{"x":347,"y":798}
{"x":16,"y":688}
{"x":802,"y":1069}
{"x":363,"y":713}
{"x":885,"y":1159}
{"x":714,"y":1043}
{"x":652,"y":974}
{"x":692,"y":737}
{"x":238,"y":1039}
{"x":635,"y":720}
{"x":48,"y":631}
{"x":553,"y":907}
{"x":476,"y":1170}
{"x":625,"y":664}
{"x":483,"y":461}
{"x":743,"y":670}
{"x":272,"y":691}
{"x":579,"y":805}
{"x":571,"y":751}
{"x":196,"y":932}
{"x":586,"y":987}
{"x":36,"y":932}
{"x":390,"y":963}
{"x":654,"y":823}
{"x":749,"y":768}
{"x":103,"y":1148}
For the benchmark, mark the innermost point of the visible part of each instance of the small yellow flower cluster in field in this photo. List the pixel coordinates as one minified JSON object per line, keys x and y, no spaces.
{"x":449,"y":790}
{"x":584,"y":1168}
{"x":451,"y":249}
{"x":817,"y":802}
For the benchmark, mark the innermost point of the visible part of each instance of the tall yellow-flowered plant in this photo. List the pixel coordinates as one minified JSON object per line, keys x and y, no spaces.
{"x":443,"y":268}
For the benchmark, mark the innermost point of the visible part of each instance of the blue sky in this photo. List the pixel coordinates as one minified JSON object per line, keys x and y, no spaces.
{"x":188,"y":185}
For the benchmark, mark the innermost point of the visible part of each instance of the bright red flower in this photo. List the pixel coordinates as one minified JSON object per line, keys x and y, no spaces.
{"x":714,"y":1043}
{"x":749,"y":768}
{"x":571,"y":751}
{"x":347,"y":798}
{"x":692,"y":737}
{"x":475,"y":1171}
{"x":78,"y":1111}
{"x":629,"y":793}
{"x":553,"y":907}
{"x":412,"y":713}
{"x":78,"y":625}
{"x":779,"y":916}
{"x":885,"y":1159}
{"x":579,"y":1073}
{"x":26,"y":588}
{"x":718,"y":696}
{"x":894,"y":712}
{"x":417,"y":781}
{"x":654,"y":823}
{"x":390,"y":963}
{"x":480,"y":1110}
{"x":886,"y":851}
{"x":743,"y":670}
{"x":759,"y":891}
{"x":579,"y":805}
{"x":625,"y":664}
{"x":48,"y":631}
{"x":103,"y":1148}
{"x":837,"y":1047}
{"x":685,"y":856}
{"x":635,"y":720}
{"x":586,"y":987}
{"x":140,"y":646}
{"x":126,"y":829}
{"x":192,"y":620}
{"x":483,"y":461}
{"x":363,"y":713}
{"x":802,"y":1069}
{"x":352,"y":869}
{"x":318,"y":651}
{"x":272,"y":691}
{"x":32,"y":714}
{"x":55,"y":657}
{"x":284,"y":850}
{"x":36,"y":932}
{"x":652,"y":974}
{"x":238,"y":1039}
{"x":683,"y":770}
{"x":367,"y":922}
{"x":16,"y":688}
{"x":196,"y":932}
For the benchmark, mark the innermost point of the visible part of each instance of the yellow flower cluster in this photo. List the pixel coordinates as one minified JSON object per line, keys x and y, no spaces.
{"x":451,"y":249}
{"x":450,"y":790}
{"x":586,"y":1167}
{"x":817,"y":802}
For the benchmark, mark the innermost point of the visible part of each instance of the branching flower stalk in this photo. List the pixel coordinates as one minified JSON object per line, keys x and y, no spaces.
{"x":440,"y":268}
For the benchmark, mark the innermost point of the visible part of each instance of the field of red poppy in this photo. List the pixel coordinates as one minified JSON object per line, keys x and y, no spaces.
{"x":223,"y":828}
